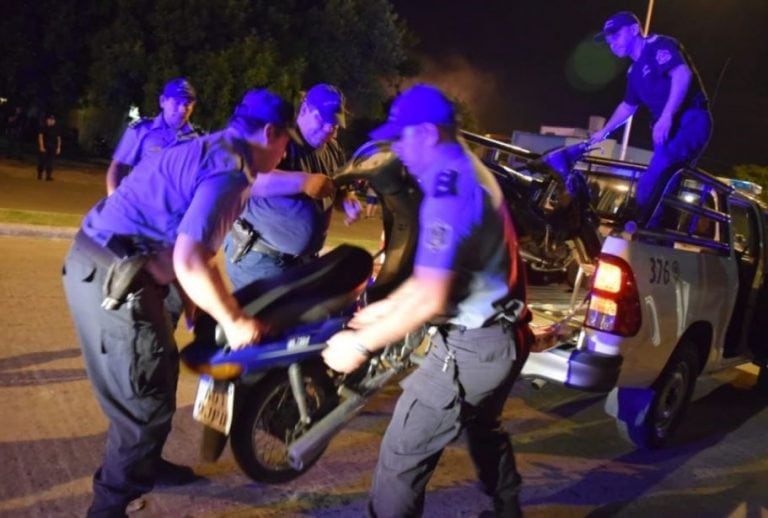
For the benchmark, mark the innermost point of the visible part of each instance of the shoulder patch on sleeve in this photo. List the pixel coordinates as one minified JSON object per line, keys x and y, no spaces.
{"x":445,"y":184}
{"x":438,"y":236}
{"x":197,"y":131}
{"x":139,"y":122}
{"x":663,"y":56}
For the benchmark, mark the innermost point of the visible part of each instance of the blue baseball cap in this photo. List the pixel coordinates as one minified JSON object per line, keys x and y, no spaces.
{"x":616,"y":22}
{"x":329,"y":102}
{"x":179,"y":88}
{"x":264,"y":106}
{"x":419,"y":104}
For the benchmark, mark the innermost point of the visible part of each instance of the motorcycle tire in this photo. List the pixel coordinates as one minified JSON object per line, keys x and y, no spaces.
{"x":268,"y":421}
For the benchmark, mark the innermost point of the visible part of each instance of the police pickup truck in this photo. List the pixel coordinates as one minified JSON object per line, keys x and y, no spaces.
{"x":683,"y":297}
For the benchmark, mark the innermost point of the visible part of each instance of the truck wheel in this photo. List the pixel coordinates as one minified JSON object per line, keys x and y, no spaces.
{"x":672,"y":393}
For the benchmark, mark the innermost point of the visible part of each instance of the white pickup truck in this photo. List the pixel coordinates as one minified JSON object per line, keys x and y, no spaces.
{"x":682,"y":297}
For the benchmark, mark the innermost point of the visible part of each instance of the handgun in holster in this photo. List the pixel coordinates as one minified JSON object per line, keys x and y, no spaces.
{"x":513,"y":313}
{"x":243,"y":238}
{"x":120,"y":280}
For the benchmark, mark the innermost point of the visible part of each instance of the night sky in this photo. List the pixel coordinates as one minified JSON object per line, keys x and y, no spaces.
{"x":523,"y":64}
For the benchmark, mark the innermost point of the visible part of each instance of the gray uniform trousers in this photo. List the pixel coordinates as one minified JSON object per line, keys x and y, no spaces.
{"x":132,"y":362}
{"x":436,"y":405}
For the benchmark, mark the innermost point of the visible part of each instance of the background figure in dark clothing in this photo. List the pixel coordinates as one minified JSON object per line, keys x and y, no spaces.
{"x":662,"y":78}
{"x":49,"y":147}
{"x":14,"y":127}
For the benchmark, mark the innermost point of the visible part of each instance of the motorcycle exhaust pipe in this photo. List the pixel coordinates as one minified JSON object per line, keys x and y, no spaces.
{"x":538,"y":264}
{"x":307,"y":447}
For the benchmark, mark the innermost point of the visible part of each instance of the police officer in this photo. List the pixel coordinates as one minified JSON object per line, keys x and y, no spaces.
{"x":146,"y":137}
{"x":663,"y":78}
{"x":466,"y":264}
{"x":276,"y":232}
{"x":165,"y":220}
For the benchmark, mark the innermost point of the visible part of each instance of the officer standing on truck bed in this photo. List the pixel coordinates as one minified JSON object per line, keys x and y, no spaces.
{"x":663,"y":78}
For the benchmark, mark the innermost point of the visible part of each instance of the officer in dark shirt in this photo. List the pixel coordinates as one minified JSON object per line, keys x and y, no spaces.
{"x":49,"y":147}
{"x":663,"y":78}
{"x":146,"y":137}
{"x":276,"y":232}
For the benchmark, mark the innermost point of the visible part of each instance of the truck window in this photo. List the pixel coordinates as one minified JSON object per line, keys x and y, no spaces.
{"x":609,"y":193}
{"x":697,"y":194}
{"x":744,"y":230}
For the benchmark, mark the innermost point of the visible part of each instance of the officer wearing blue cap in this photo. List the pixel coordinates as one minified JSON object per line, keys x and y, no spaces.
{"x":276,"y":232}
{"x":663,"y":78}
{"x":165,"y":221}
{"x":467,"y":280}
{"x":147,"y":136}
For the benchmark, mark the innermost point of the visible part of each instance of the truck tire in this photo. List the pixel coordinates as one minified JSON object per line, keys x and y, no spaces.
{"x":672,"y":394}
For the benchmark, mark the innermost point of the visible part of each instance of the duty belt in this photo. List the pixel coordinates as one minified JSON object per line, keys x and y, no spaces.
{"x":263,"y":248}
{"x":103,"y":255}
{"x":123,"y":268}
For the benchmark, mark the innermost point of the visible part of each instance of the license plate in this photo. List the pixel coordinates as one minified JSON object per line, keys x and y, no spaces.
{"x":213,"y":404}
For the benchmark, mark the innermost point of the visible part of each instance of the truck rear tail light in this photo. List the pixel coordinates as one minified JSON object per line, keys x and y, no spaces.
{"x":609,"y":278}
{"x":614,"y":304}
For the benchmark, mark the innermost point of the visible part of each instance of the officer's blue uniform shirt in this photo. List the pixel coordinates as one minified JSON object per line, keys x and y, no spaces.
{"x":648,"y":79}
{"x":464,"y":228}
{"x":297,"y":224}
{"x":197,"y":187}
{"x":147,"y":137}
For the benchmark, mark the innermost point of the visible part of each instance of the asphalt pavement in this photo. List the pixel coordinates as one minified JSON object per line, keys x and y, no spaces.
{"x":572,"y":460}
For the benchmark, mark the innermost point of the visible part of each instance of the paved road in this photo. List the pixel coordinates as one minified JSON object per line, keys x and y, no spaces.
{"x":572,"y":460}
{"x":574,"y":464}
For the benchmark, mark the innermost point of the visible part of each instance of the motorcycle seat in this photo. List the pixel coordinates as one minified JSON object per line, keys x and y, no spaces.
{"x":302,"y":294}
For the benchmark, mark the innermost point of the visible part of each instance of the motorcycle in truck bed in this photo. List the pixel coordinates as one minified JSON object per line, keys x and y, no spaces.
{"x":665,"y":304}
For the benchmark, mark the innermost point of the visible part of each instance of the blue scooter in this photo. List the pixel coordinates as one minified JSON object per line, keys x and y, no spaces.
{"x":276,"y":402}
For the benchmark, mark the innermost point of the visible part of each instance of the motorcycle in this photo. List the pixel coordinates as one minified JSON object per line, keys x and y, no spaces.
{"x":276,"y":403}
{"x":550,"y":202}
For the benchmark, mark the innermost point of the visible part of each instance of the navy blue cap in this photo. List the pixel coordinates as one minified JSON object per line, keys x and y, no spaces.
{"x":329,"y":102}
{"x":179,"y":88}
{"x":616,"y":22}
{"x":265,"y":106}
{"x":419,"y":104}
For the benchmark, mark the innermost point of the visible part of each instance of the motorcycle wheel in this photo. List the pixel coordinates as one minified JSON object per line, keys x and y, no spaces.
{"x":268,"y":420}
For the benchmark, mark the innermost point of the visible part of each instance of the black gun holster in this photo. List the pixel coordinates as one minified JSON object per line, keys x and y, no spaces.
{"x":243,"y":239}
{"x":120,"y":280}
{"x":123,"y":264}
